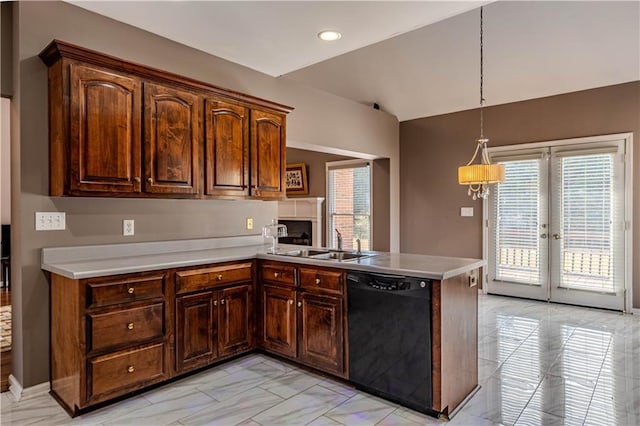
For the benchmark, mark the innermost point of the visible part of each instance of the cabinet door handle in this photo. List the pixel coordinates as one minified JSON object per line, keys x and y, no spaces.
{"x":275,"y":274}
{"x":136,"y":179}
{"x":219,"y":277}
{"x":215,"y":303}
{"x":131,"y":369}
{"x":317,"y":280}
{"x":150,"y":180}
{"x":291,"y":301}
{"x":130,"y":326}
{"x":131,"y":290}
{"x":299,"y":304}
{"x":222,"y":301}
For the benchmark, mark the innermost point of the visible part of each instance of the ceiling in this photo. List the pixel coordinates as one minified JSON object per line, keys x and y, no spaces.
{"x":414,"y":59}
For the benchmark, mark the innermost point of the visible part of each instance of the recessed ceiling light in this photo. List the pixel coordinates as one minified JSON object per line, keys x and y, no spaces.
{"x":329,"y":35}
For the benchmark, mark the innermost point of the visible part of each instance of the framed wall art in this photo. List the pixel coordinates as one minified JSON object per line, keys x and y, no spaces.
{"x":297,"y":183}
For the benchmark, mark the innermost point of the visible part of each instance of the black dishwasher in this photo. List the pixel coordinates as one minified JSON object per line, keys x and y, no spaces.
{"x":390,"y":337}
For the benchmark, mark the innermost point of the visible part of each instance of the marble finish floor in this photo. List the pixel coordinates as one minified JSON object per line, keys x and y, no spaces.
{"x":540,"y":364}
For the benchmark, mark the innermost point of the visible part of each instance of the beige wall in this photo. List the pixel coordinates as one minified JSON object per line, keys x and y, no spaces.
{"x":318,"y":117}
{"x":431,"y":149}
{"x":316,"y":170}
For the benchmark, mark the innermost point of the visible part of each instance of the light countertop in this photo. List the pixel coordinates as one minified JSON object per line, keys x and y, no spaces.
{"x":95,"y":261}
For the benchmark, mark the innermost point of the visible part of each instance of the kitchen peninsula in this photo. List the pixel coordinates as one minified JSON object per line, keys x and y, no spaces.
{"x":125,"y":317}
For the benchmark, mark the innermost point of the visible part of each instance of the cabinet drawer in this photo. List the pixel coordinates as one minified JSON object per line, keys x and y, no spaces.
{"x":314,"y":279}
{"x":278,"y":274}
{"x":198,"y":279}
{"x":125,"y":369}
{"x":124,"y":290}
{"x":125,"y":327}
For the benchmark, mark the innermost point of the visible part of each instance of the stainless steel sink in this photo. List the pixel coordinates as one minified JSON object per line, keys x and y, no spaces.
{"x":303,"y":253}
{"x":333,"y":255}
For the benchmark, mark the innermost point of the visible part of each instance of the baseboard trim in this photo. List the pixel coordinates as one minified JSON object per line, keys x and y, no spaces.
{"x":15,"y":387}
{"x":18,"y":391}
{"x":636,"y":311}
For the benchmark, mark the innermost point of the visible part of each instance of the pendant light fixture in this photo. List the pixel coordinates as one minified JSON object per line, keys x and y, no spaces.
{"x":479,"y":176}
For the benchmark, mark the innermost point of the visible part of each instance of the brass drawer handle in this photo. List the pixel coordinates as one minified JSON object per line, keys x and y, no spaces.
{"x":222,"y":301}
{"x":299,"y":304}
{"x":291,"y":301}
{"x":130,"y":326}
{"x":219,"y":277}
{"x":276,"y":274}
{"x":317,"y":280}
{"x":131,"y":290}
{"x":131,"y":369}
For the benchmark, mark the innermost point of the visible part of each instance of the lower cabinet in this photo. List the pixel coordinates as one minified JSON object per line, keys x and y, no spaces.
{"x":303,"y":317}
{"x":109,"y":336}
{"x":320,"y":331}
{"x":213,"y":324}
{"x":278,"y":331}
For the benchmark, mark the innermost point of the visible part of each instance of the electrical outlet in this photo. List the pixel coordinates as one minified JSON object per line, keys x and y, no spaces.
{"x":249,"y":223}
{"x":128,"y":227}
{"x":50,"y":221}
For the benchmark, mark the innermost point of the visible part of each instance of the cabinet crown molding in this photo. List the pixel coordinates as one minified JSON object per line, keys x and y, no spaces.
{"x":58,"y":49}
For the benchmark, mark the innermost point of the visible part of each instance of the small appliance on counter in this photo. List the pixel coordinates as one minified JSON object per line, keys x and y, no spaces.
{"x":274,"y":231}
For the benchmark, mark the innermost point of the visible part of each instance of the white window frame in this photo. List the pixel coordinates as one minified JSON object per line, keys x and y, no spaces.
{"x":345,"y":164}
{"x":628,"y":201}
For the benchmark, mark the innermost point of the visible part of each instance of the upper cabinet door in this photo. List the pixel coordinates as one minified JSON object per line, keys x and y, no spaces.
{"x":171,"y":138}
{"x":267,"y":154}
{"x":105,"y":131}
{"x":227,"y":149}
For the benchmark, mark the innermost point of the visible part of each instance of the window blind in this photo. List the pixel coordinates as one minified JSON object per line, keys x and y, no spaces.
{"x":518,"y":216}
{"x":588,"y":189}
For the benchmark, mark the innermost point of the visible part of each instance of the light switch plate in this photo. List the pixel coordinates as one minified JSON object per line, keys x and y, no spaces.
{"x":50,"y":221}
{"x":128,"y":228}
{"x":466,"y":211}
{"x":249,"y":223}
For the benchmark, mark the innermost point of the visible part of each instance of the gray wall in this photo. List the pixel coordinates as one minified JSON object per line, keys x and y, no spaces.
{"x":380,"y":208}
{"x":318,"y":117}
{"x":432,"y":148}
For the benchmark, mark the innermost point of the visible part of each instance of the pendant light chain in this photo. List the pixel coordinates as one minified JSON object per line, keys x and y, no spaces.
{"x":481,"y":74}
{"x":480,"y":176}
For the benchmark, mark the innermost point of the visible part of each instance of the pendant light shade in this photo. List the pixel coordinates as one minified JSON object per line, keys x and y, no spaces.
{"x":479,"y":176}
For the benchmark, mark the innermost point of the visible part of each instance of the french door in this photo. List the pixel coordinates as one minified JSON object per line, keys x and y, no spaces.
{"x":556,"y":226}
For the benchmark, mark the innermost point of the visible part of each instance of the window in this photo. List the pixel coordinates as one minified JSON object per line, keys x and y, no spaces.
{"x":349,"y":203}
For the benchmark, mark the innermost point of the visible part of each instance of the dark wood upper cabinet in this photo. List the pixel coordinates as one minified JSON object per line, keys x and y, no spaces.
{"x":181,"y":138}
{"x":105,"y":131}
{"x":267,"y":154}
{"x":171,"y":140}
{"x":227,"y":149}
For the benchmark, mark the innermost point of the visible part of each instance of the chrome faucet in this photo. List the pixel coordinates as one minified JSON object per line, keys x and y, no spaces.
{"x":359,"y":246}
{"x":339,"y":239}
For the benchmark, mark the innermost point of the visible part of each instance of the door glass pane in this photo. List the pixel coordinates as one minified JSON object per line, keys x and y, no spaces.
{"x":587,"y":238}
{"x":518,"y":254}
